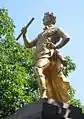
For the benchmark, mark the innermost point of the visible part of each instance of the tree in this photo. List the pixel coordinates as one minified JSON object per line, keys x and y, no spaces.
{"x":66,"y":71}
{"x":17,"y":80}
{"x":18,"y":86}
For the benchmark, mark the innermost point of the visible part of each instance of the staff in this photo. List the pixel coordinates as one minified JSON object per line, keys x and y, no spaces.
{"x":25,"y":28}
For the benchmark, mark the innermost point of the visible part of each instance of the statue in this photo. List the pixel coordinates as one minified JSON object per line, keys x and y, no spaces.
{"x":49,"y":61}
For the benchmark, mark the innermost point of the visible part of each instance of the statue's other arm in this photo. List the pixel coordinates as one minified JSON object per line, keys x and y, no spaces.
{"x":64,"y":36}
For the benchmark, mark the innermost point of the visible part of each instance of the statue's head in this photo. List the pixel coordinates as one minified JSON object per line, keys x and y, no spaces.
{"x":49,"y":19}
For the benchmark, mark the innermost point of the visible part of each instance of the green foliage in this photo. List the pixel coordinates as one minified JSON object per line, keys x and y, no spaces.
{"x":66,"y":71}
{"x":74,"y":101}
{"x":17,"y":79}
{"x":70,"y":66}
{"x":6,"y":26}
{"x":18,"y":86}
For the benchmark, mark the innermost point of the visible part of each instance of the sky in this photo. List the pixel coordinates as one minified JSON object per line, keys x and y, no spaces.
{"x":70,"y":17}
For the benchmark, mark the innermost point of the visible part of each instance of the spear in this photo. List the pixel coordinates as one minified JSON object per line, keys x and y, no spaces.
{"x":25,"y":27}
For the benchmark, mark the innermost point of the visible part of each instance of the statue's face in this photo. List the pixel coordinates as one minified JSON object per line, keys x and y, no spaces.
{"x":49,"y":19}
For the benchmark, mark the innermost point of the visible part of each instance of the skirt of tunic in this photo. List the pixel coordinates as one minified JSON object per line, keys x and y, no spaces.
{"x":56,"y":83}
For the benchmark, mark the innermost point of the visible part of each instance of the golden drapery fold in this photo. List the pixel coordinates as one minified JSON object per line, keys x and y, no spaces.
{"x":56,"y":83}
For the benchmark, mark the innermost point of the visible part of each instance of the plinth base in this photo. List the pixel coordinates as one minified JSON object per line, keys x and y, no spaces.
{"x":48,"y":109}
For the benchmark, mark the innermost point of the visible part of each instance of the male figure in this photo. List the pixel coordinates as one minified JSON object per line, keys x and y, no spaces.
{"x":46,"y":44}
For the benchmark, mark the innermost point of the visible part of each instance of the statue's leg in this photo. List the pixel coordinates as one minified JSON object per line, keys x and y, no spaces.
{"x":41,"y":81}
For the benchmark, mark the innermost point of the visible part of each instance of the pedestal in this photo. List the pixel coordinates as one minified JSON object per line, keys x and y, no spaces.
{"x":48,"y":109}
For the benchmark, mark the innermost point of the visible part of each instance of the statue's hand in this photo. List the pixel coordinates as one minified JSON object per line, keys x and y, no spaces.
{"x":50,"y":45}
{"x":57,"y":47}
{"x":23,"y":30}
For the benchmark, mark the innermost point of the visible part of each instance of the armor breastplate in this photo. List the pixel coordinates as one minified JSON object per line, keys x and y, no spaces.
{"x":52,"y":35}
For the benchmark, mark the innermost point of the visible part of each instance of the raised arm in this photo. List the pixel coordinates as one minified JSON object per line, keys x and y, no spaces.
{"x":28,"y":43}
{"x":64,"y":36}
